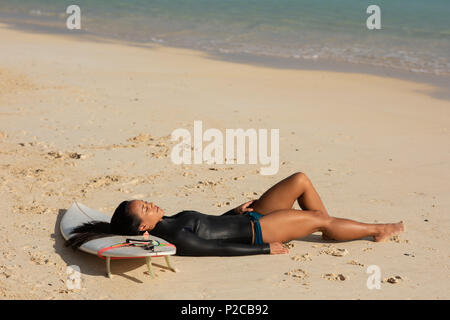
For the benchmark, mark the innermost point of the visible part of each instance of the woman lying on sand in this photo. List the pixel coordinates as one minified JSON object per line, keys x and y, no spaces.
{"x":255,"y":227}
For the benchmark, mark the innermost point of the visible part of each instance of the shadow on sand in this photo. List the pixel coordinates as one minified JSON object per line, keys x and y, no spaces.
{"x":316,"y":238}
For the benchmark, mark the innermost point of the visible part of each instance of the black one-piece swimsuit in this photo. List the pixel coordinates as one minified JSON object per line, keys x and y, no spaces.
{"x":198,"y":234}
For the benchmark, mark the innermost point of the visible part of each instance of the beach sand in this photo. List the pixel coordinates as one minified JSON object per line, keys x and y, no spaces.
{"x":90,"y":120}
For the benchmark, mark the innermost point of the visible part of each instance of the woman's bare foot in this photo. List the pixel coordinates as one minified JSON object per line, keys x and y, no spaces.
{"x":389,"y":230}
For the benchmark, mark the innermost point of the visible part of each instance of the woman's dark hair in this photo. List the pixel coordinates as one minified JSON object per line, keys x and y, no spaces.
{"x":122,"y":223}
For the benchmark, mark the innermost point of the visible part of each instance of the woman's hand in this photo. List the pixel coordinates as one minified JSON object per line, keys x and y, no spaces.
{"x":278,"y":248}
{"x":244,"y":207}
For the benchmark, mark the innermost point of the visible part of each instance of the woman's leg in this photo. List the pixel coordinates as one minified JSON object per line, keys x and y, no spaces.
{"x":289,"y":224}
{"x":282,"y":222}
{"x":283,"y":195}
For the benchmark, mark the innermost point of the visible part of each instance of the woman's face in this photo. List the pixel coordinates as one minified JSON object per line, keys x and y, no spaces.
{"x":149,"y":214}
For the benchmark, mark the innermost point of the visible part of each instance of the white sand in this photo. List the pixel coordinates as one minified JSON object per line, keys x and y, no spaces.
{"x":377,"y":150}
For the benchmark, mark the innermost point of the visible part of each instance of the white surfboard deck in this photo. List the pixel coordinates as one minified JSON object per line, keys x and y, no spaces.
{"x":78,"y":214}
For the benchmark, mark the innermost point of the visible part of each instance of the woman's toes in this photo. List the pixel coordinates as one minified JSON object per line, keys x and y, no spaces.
{"x":389,"y":230}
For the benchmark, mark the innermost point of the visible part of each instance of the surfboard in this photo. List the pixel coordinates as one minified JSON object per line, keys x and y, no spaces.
{"x":114,"y":246}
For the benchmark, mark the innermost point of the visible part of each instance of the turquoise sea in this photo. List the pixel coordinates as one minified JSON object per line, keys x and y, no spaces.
{"x":415,"y":35}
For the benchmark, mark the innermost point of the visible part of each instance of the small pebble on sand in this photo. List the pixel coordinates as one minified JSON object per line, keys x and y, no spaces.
{"x":393,"y":280}
{"x":297,"y":274}
{"x":335,"y":277}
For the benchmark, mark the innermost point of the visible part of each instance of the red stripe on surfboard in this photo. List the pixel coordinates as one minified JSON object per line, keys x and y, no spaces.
{"x":99,"y":252}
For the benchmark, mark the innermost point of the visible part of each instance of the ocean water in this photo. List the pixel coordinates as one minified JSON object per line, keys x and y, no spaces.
{"x":414,"y":35}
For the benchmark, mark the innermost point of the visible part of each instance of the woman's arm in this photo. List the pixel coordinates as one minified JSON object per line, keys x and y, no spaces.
{"x":230,"y":212}
{"x":240,"y":209}
{"x":189,"y":244}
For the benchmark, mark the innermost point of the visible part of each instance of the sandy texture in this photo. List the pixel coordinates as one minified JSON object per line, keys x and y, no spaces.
{"x":91,"y":121}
